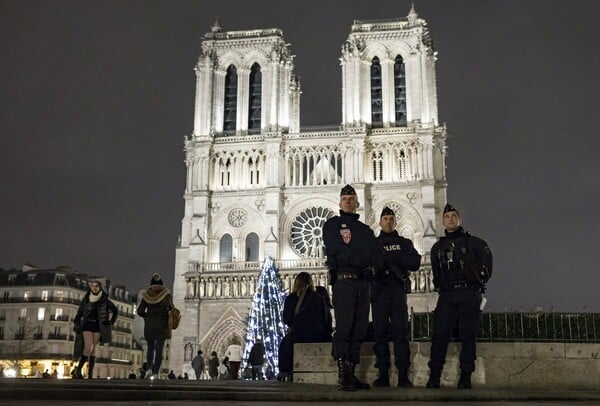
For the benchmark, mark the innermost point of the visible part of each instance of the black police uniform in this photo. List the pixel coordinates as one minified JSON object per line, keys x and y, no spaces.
{"x":352,"y":258}
{"x":388,"y":297}
{"x":453,"y":262}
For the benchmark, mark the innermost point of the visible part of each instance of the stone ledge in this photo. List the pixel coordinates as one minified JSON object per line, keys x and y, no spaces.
{"x":500,"y":365}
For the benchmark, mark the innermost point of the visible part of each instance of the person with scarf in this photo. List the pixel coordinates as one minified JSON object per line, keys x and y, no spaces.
{"x":94,"y":318}
{"x":308,"y":318}
{"x":154,"y":309}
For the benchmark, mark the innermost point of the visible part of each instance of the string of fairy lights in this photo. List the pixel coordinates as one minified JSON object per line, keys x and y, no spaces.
{"x":265,"y":317}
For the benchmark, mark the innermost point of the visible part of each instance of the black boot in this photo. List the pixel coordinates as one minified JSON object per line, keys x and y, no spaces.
{"x":82,"y":361}
{"x":465,"y":381}
{"x":352,"y":377}
{"x":434,"y":379}
{"x":344,"y":383}
{"x":383,"y":379}
{"x":91,"y":365}
{"x":403,"y":381}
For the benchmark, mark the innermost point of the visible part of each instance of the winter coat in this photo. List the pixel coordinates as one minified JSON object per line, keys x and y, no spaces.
{"x":257,"y":354}
{"x":198,"y":363}
{"x":154,"y":309}
{"x":213,"y":366}
{"x":312,"y":322}
{"x":104,"y":305}
{"x":234,"y":352}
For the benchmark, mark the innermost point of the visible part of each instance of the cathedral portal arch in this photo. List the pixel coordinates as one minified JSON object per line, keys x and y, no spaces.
{"x":225,"y":330}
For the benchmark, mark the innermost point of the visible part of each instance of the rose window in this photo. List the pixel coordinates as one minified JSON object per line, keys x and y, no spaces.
{"x":237,"y":217}
{"x":307,"y":231}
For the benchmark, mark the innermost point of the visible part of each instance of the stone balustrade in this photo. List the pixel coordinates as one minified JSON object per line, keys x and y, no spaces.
{"x":501,"y":365}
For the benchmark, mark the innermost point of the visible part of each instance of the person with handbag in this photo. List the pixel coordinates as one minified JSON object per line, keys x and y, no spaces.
{"x":154,"y":309}
{"x":94,"y":318}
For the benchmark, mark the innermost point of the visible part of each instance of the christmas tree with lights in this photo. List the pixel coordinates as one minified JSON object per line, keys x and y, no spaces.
{"x":265,"y":317}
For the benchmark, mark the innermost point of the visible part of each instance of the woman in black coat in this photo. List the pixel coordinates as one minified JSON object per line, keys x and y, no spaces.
{"x":92,"y":321}
{"x":154,"y":309}
{"x":308,"y":318}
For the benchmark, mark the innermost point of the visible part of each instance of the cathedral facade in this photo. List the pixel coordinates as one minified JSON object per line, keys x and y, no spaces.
{"x":259,"y":185}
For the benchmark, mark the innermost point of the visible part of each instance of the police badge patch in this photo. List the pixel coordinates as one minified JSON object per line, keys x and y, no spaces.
{"x":346,"y":234}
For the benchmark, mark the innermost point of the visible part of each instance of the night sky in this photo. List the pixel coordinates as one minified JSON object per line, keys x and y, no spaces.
{"x":96,"y":97}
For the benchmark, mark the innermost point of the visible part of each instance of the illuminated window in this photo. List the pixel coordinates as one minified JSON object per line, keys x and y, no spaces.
{"x":44,"y":295}
{"x":59,"y":295}
{"x":41,"y":313}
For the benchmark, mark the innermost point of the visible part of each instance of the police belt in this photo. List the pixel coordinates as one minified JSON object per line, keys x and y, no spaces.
{"x":346,"y":275}
{"x":461,"y":285}
{"x":387,"y":274}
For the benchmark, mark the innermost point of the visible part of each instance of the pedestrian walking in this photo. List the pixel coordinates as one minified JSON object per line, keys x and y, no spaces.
{"x":198,"y":365}
{"x":154,"y":309}
{"x":92,"y":323}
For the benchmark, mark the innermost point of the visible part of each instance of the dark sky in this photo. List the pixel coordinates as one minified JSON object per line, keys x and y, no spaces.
{"x":96,"y":97}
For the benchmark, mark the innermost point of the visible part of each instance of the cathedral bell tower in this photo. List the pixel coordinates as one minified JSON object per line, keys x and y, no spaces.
{"x":257,"y":184}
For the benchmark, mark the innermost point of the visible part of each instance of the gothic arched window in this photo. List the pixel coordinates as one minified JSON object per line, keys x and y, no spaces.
{"x":377,"y":161}
{"x":400,"y":91}
{"x":376,"y":95}
{"x":230,"y":110}
{"x":252,"y":247}
{"x":226,"y":248}
{"x":402,"y":164}
{"x":254,"y":169}
{"x":254,"y":104}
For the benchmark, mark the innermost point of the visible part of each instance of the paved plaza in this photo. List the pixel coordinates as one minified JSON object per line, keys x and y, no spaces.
{"x":233,"y":393}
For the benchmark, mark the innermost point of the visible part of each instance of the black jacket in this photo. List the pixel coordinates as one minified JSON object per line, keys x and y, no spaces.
{"x":351,"y":245}
{"x":103,"y":306}
{"x":312,"y":323}
{"x":154,"y":309}
{"x":399,"y":255}
{"x":257,"y":354}
{"x":459,"y":257}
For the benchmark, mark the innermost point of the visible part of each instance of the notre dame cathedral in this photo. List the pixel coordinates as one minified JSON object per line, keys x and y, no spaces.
{"x":258,"y":184}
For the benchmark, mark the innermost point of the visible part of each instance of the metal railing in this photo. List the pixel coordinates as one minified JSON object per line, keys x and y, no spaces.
{"x":532,"y":327}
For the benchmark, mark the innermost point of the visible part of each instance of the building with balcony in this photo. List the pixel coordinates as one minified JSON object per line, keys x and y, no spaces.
{"x":37,"y":307}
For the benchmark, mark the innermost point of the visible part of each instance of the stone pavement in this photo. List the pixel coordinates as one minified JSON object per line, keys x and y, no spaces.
{"x":159,"y":392}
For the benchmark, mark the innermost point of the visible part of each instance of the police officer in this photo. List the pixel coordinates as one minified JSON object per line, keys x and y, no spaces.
{"x":461,"y":265}
{"x":352,"y":259}
{"x":388,"y":298}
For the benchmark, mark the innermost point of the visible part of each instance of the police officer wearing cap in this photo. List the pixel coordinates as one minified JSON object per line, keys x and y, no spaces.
{"x":388,"y":301}
{"x":461,"y":265}
{"x":352,"y":258}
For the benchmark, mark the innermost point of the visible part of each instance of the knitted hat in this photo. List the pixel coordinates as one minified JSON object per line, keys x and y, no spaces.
{"x":156,"y":280}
